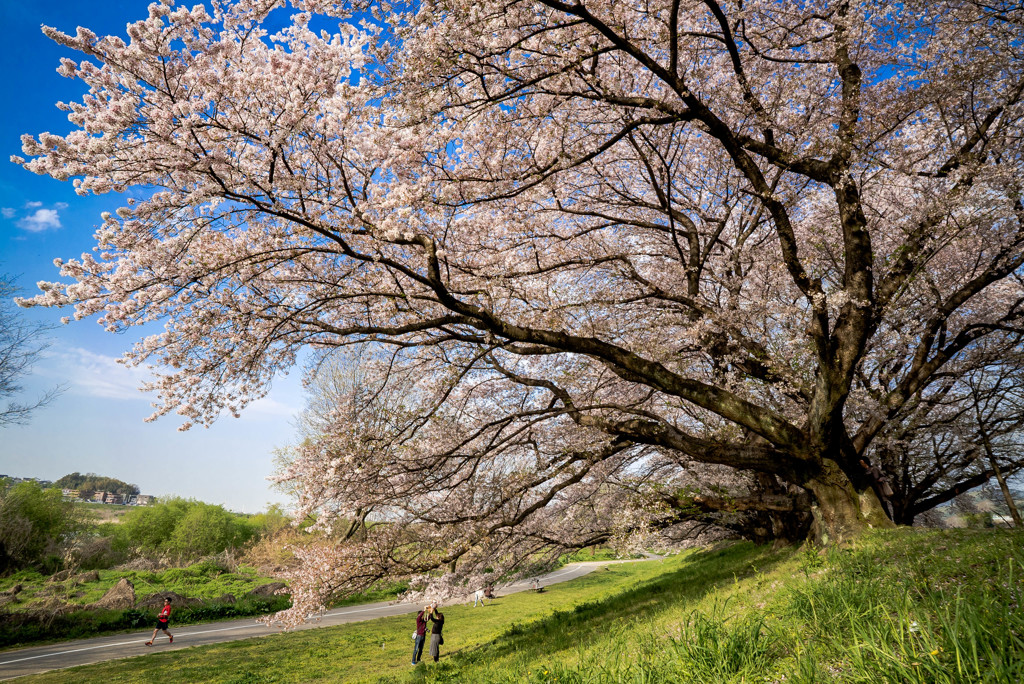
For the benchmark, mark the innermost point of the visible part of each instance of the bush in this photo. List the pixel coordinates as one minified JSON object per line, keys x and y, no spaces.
{"x":35,"y":526}
{"x":184,"y":529}
{"x":93,"y":552}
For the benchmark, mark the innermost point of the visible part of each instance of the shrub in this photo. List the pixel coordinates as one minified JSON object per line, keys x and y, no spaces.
{"x":35,"y":526}
{"x":184,"y":529}
{"x":93,"y":552}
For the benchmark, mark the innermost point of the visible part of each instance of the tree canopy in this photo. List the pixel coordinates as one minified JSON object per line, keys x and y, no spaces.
{"x":36,"y":525}
{"x":96,"y":483}
{"x":597,"y":253}
{"x":184,"y":529}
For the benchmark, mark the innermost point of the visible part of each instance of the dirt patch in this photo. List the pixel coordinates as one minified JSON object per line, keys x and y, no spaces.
{"x":177,"y":600}
{"x":268,"y":590}
{"x":144,"y":564}
{"x":119,"y":597}
{"x":90,"y":576}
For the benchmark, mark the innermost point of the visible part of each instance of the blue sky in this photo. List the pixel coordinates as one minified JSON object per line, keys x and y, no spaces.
{"x":97,"y":424}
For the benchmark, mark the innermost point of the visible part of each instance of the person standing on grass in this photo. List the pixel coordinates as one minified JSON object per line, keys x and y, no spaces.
{"x":437,"y":617}
{"x":421,"y":634}
{"x":881,"y":485}
{"x":161,"y":622}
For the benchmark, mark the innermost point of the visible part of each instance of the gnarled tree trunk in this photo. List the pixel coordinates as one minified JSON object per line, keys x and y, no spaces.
{"x":841,"y":511}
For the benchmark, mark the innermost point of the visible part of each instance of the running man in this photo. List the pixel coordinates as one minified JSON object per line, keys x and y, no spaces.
{"x":161,"y":622}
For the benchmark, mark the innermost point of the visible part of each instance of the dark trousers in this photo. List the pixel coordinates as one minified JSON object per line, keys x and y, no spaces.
{"x":417,"y":648}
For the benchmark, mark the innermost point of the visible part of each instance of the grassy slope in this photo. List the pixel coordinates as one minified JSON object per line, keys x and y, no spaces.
{"x":899,"y":606}
{"x":200,"y":580}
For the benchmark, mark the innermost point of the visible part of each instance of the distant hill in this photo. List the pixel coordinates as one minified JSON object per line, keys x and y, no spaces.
{"x":91,"y":482}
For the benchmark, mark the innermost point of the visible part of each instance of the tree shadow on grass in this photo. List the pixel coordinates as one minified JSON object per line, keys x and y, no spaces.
{"x":700,"y":574}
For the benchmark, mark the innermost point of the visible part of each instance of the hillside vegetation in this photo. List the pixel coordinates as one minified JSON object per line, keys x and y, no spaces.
{"x":91,"y":482}
{"x":901,"y":606}
{"x":41,"y":531}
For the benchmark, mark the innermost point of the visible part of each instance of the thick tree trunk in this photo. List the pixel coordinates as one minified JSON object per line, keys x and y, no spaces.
{"x":840,"y":511}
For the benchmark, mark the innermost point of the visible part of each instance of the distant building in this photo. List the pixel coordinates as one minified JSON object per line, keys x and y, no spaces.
{"x":98,"y":496}
{"x":72,"y":494}
{"x":144,"y":500}
{"x":44,"y":484}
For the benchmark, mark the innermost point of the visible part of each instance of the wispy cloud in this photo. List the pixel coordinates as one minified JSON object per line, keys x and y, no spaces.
{"x":33,"y":205}
{"x":98,"y":375}
{"x":8,"y":213}
{"x":269,"y":406}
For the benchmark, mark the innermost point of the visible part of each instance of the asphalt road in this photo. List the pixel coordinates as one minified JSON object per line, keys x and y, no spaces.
{"x":26,"y":661}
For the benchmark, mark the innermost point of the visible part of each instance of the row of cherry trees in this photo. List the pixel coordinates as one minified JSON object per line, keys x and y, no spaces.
{"x":611,"y":265}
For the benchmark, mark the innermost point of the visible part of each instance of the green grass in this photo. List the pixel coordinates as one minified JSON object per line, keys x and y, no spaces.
{"x":600,"y":553}
{"x":28,"y":620}
{"x":901,"y":606}
{"x":204,"y":580}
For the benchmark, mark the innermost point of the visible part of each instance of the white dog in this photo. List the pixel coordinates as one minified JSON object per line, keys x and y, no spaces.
{"x":478,"y":597}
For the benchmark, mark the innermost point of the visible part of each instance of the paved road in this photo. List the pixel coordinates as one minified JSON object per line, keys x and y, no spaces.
{"x":26,"y":661}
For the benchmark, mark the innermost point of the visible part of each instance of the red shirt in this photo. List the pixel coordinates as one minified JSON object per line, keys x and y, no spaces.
{"x":165,"y":613}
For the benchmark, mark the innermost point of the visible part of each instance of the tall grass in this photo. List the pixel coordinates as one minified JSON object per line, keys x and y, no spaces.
{"x":937,"y":620}
{"x":906,"y":606}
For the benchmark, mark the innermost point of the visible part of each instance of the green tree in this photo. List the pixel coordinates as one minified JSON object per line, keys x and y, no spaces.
{"x":185,"y":528}
{"x":146,"y":529}
{"x":35,"y":526}
{"x":271,"y":521}
{"x":91,"y":482}
{"x":206,"y":529}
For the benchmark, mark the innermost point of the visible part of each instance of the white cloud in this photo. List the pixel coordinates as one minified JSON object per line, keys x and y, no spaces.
{"x":270,"y":406}
{"x":8,"y":213}
{"x":98,"y":375}
{"x":61,"y":205}
{"x":42,"y":219}
{"x":33,"y":205}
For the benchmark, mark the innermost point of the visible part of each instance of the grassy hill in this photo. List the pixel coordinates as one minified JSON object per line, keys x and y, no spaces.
{"x":901,"y":606}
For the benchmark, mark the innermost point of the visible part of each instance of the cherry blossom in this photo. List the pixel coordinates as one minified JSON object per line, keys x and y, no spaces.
{"x":593,"y":252}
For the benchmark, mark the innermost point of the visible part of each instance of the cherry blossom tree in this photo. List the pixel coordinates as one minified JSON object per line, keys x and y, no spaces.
{"x":591,"y":247}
